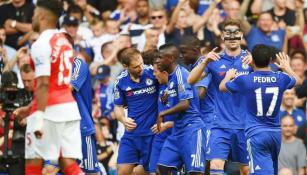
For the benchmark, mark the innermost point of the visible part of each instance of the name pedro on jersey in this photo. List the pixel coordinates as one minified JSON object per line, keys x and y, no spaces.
{"x":264,"y":79}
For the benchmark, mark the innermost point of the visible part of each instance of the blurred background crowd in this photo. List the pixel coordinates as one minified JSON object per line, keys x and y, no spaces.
{"x":101,"y":28}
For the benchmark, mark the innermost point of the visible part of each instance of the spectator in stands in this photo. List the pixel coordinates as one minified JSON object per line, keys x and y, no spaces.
{"x":87,"y":10}
{"x":178,"y":25}
{"x":16,"y":17}
{"x":288,"y":108}
{"x":298,"y":63}
{"x":292,"y":153}
{"x":150,"y":37}
{"x":142,"y":9}
{"x":21,"y":57}
{"x":83,"y":29}
{"x":104,"y":91}
{"x":112,"y":27}
{"x":302,"y":133}
{"x":158,"y":18}
{"x":263,"y":32}
{"x":282,"y":14}
{"x":6,"y":49}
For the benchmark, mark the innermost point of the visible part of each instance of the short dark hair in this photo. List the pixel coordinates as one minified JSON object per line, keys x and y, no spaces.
{"x":73,"y":8}
{"x":104,"y":46}
{"x":170,"y":49}
{"x":54,"y":6}
{"x":26,"y":68}
{"x":126,"y":55}
{"x":299,"y":51}
{"x":262,"y":55}
{"x":232,"y":22}
{"x":190,"y":40}
{"x":150,"y":56}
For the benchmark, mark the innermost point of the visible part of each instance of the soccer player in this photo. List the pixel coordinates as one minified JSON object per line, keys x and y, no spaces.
{"x":226,"y":136}
{"x":53,"y":129}
{"x":189,"y":128}
{"x":160,"y":137}
{"x":262,"y":91}
{"x":82,"y":92}
{"x":137,"y":88}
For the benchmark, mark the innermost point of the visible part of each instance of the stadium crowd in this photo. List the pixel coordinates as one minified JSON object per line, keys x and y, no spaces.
{"x":102,"y":30}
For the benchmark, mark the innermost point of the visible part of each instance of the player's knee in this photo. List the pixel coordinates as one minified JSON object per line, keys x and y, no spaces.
{"x":124,"y":170}
{"x":139,"y":170}
{"x":285,"y":171}
{"x":244,"y":170}
{"x":217,"y":164}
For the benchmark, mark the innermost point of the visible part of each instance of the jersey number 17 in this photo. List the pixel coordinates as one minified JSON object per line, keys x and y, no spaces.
{"x":268,"y":90}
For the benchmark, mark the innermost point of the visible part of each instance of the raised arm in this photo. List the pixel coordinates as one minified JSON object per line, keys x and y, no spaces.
{"x":256,"y":7}
{"x":171,"y":25}
{"x":205,"y":16}
{"x":284,"y":64}
{"x":198,"y":72}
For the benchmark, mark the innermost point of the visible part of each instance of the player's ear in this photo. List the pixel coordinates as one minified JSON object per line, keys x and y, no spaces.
{"x":125,"y":66}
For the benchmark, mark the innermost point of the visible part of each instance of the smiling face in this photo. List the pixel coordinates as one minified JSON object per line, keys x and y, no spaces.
{"x":265,"y":22}
{"x":288,"y":98}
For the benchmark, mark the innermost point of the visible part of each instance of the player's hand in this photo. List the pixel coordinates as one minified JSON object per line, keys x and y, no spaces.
{"x":129,"y":123}
{"x":22,"y":112}
{"x":160,"y":121}
{"x":212,"y":56}
{"x":231,"y":73}
{"x":154,"y":129}
{"x":23,"y":122}
{"x":248,"y":59}
{"x":164,"y":98}
{"x":283,"y":61}
{"x":38,"y":124}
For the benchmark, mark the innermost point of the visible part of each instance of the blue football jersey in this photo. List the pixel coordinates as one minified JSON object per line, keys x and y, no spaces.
{"x":179,"y":90}
{"x":262,"y":91}
{"x":81,"y":82}
{"x":206,"y":106}
{"x":228,"y":109}
{"x":163,"y":105}
{"x":141,"y":99}
{"x":106,"y":99}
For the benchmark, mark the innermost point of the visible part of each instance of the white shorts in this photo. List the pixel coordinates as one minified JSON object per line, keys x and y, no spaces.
{"x":60,"y":139}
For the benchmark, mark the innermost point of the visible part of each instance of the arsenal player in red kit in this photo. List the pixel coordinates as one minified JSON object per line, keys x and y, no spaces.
{"x":54,"y":123}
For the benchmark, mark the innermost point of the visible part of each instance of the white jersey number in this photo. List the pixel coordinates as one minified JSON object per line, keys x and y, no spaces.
{"x":65,"y":64}
{"x":269,"y":90}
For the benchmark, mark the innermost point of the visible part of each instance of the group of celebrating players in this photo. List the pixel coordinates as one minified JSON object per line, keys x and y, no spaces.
{"x":170,"y":123}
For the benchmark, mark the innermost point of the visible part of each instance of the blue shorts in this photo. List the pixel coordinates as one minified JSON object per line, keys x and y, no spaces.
{"x":135,"y":150}
{"x":157,"y":145}
{"x":188,"y":149}
{"x":89,"y":162}
{"x":226,"y":143}
{"x":263,"y":150}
